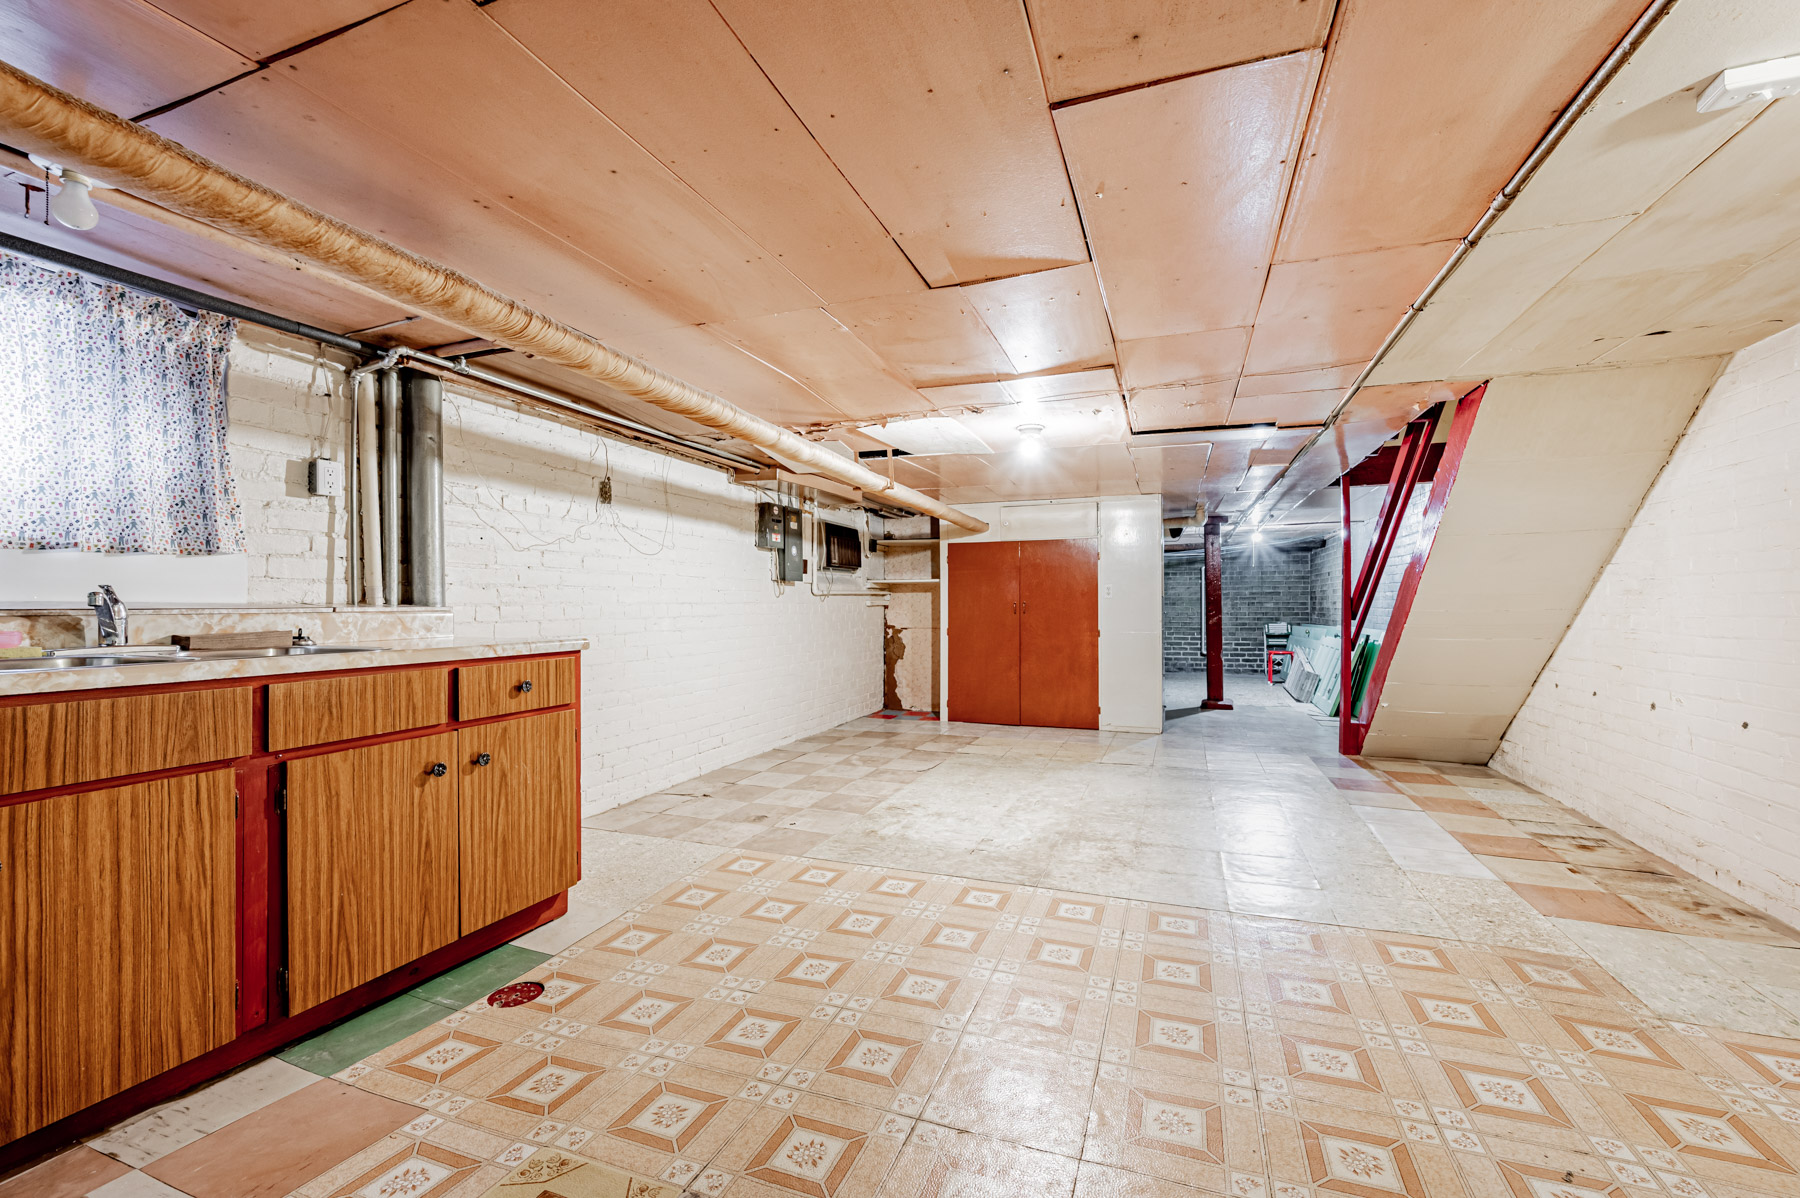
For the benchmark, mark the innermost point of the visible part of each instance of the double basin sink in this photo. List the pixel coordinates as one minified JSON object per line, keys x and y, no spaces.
{"x":149,"y":655}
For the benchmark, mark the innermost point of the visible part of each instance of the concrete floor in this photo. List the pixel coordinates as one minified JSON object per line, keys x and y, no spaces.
{"x":1224,"y":960}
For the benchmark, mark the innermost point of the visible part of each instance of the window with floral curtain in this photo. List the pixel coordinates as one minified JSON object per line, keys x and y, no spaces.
{"x":112,"y":410}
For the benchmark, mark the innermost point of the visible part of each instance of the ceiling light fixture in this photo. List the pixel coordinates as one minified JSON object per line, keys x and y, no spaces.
{"x":1256,"y":536}
{"x":73,"y":205}
{"x":1759,"y":81}
{"x":1031,"y":440}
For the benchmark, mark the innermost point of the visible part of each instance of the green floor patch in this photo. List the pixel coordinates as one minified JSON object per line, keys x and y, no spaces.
{"x":477,"y":979}
{"x":345,"y":1044}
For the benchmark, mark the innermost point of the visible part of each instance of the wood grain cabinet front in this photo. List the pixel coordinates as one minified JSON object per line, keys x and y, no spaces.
{"x":85,"y":740}
{"x":509,"y":687}
{"x":118,"y":951}
{"x":520,"y":814}
{"x":371,"y":863}
{"x":317,"y":711}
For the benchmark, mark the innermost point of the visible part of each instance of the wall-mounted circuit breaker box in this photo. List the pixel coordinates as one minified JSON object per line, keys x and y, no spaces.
{"x":778,"y":528}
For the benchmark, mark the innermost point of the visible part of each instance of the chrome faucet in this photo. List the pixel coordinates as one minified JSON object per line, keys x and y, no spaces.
{"x":111,"y":613}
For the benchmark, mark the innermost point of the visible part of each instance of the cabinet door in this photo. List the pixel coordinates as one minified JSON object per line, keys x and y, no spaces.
{"x":520,"y":814}
{"x":118,"y":947}
{"x":371,"y":863}
{"x":1059,"y":634}
{"x":984,"y":632}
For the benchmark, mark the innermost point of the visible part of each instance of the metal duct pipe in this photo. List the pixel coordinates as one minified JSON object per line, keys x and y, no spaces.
{"x":46,"y":121}
{"x":424,"y":487}
{"x":368,"y":483}
{"x":390,"y":485}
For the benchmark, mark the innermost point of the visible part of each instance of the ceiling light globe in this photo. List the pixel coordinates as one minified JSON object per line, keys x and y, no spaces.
{"x":72,"y":206}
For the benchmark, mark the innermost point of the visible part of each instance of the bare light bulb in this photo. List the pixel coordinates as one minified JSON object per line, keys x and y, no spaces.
{"x":72,"y":206}
{"x":1031,"y":440}
{"x":1256,"y":537}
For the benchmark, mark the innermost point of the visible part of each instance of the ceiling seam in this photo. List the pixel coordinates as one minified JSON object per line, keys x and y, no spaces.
{"x":801,"y":122}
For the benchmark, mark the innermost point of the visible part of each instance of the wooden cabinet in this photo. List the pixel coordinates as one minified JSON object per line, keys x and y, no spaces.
{"x":520,"y":814}
{"x":317,"y":711}
{"x":84,"y":740}
{"x":507,"y":687}
{"x":371,"y":863}
{"x":117,"y":940}
{"x":1024,"y":628}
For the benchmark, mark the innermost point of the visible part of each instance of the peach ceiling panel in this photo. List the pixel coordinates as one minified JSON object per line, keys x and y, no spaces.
{"x":1335,"y":311}
{"x":1172,"y":471}
{"x":1049,"y":320}
{"x":1427,"y":108}
{"x":1300,"y":407}
{"x":1086,"y":48}
{"x":935,"y":112}
{"x":1181,"y":188}
{"x":931,"y":337}
{"x":273,"y":130}
{"x":1328,"y":378}
{"x":263,"y":27}
{"x":1068,"y":424}
{"x":1193,"y":405}
{"x":123,"y":55}
{"x":1093,"y":384}
{"x":720,"y":125}
{"x":425,"y":74}
{"x":1183,"y":358}
{"x":820,"y":354}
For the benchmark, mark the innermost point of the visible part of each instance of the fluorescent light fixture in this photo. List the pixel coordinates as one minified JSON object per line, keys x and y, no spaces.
{"x":1759,"y":81}
{"x":927,"y":435}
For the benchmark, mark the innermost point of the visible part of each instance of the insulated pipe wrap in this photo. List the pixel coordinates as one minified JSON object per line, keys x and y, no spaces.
{"x":43,"y":120}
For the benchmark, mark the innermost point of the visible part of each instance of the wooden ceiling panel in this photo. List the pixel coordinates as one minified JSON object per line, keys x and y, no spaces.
{"x":816,"y":351}
{"x":720,"y":125}
{"x":1086,"y":48}
{"x":1427,"y":108}
{"x":931,"y":337}
{"x":123,"y":55}
{"x":258,"y":30}
{"x":1181,"y":187}
{"x":1193,"y":405}
{"x":934,"y":110}
{"x":1090,"y":384}
{"x":1172,"y":471}
{"x":271,"y":129}
{"x":1300,"y":407}
{"x":1334,"y":311}
{"x":1049,"y":320}
{"x":1183,"y":358}
{"x":424,"y":74}
{"x":1327,"y":379}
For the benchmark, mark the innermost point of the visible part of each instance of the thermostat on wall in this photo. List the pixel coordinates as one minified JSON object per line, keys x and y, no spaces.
{"x":325,"y":477}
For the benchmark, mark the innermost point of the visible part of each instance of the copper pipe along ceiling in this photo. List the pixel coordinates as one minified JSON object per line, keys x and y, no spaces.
{"x":46,"y":121}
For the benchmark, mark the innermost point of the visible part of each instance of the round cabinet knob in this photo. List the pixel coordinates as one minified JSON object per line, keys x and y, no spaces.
{"x":525,"y":687}
{"x":484,"y":758}
{"x":439,"y":770}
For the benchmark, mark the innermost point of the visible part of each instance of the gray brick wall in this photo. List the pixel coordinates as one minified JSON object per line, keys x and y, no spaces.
{"x":1261,"y":584}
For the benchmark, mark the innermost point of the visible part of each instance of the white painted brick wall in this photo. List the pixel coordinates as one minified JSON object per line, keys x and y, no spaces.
{"x":697,"y":660}
{"x":1696,"y":614}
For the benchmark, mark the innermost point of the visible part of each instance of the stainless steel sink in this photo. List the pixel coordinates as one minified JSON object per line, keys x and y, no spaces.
{"x":29,"y":664}
{"x":150,"y":655}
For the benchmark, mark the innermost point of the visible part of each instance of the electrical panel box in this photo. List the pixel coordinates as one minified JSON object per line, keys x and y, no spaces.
{"x":324,"y":477}
{"x":768,"y":525}
{"x":791,"y":561}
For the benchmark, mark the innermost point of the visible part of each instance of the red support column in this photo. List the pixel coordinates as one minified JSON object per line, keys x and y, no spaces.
{"x":1215,"y":620}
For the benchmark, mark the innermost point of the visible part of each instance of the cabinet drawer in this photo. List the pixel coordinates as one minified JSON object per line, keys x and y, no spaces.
{"x":509,"y":686}
{"x":59,"y":744}
{"x":317,"y":711}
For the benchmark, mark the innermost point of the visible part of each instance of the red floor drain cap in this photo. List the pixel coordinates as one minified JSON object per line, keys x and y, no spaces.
{"x":516,"y":995}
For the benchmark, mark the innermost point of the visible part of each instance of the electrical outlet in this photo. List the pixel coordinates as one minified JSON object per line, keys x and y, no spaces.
{"x":325,"y":477}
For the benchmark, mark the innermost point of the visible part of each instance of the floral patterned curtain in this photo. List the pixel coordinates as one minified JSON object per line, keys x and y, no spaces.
{"x":112,"y":419}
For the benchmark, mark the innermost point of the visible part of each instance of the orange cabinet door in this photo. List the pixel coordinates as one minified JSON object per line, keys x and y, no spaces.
{"x":984,"y":632}
{"x":1059,"y":634}
{"x":520,"y":814}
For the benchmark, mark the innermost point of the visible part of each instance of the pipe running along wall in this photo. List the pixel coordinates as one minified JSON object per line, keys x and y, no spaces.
{"x":49,"y":122}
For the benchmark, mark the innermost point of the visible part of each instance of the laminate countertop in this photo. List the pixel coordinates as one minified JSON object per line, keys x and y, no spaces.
{"x":392,"y":653}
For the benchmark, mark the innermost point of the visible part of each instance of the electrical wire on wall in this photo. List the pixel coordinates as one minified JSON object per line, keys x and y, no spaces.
{"x":605,"y":514}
